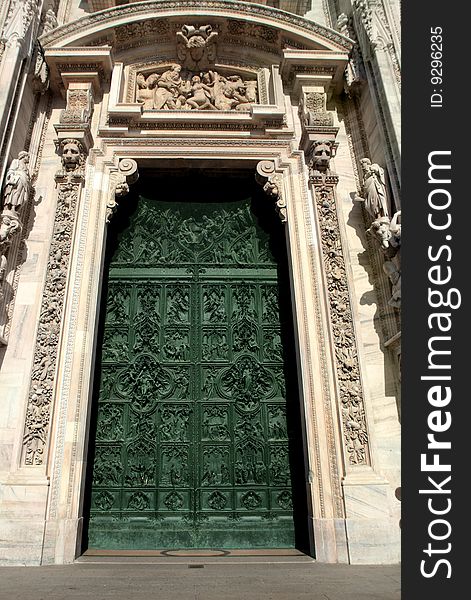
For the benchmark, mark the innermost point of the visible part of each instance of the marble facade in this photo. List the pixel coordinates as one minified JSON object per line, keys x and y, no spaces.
{"x":97,"y":90}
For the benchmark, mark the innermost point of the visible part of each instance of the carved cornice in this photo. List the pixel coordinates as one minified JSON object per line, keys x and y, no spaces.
{"x":96,"y":24}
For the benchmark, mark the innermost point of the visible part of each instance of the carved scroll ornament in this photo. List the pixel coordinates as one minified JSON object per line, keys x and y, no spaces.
{"x":272,"y":186}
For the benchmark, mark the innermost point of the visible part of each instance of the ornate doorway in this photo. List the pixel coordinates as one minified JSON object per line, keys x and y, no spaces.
{"x":195,"y":423}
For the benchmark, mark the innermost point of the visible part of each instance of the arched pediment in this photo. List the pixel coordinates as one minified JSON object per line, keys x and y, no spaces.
{"x":244,"y":24}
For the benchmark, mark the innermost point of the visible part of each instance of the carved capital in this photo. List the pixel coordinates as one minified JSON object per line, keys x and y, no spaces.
{"x":319,"y":154}
{"x":127,"y":175}
{"x":271,"y":182}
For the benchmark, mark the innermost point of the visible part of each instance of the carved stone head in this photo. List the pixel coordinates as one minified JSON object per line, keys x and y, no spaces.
{"x":321,"y":157}
{"x":381,"y":229}
{"x":365,"y":165}
{"x":72,"y":154}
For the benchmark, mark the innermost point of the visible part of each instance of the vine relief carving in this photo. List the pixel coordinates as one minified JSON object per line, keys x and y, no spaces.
{"x":69,"y":178}
{"x":347,"y":364}
{"x":178,"y":89}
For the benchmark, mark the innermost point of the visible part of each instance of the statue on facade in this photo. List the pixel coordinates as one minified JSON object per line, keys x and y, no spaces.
{"x":17,"y":184}
{"x":374,"y":189}
{"x":387,"y":233}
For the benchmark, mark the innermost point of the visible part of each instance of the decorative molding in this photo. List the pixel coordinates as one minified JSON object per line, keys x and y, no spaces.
{"x":20,"y":17}
{"x":230,"y":9}
{"x":38,"y":412}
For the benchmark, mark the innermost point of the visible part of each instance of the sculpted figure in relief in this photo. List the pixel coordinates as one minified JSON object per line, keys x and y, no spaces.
{"x":374,"y":187}
{"x":17,"y":185}
{"x":204,"y":91}
{"x":388,"y":233}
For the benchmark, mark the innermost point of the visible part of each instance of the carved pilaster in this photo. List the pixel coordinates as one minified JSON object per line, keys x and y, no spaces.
{"x":69,"y":179}
{"x":349,"y":382}
{"x":126,"y":175}
{"x":271,"y":182}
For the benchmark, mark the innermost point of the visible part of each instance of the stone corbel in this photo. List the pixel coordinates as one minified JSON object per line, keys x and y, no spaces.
{"x":272,"y":184}
{"x":126,"y":175}
{"x":318,"y":134}
{"x":300,"y":68}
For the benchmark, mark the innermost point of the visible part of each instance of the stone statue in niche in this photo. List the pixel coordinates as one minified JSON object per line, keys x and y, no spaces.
{"x":17,"y":185}
{"x":196,"y":47}
{"x":387,"y":233}
{"x":374,"y":189}
{"x":175,"y":90}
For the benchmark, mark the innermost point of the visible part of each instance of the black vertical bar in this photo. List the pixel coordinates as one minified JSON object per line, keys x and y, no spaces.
{"x":434,"y":120}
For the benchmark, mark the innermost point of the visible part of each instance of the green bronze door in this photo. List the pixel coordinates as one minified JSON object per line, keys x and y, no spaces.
{"x":191,"y":446}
